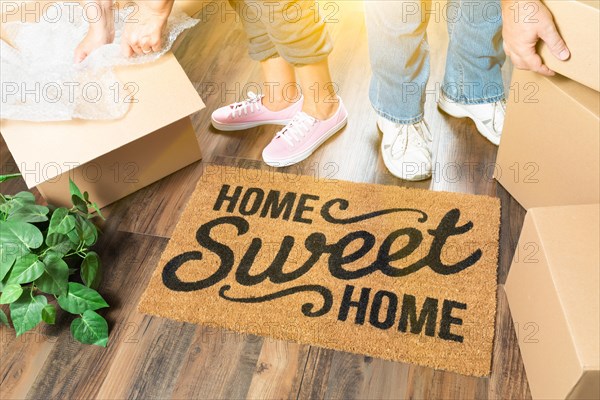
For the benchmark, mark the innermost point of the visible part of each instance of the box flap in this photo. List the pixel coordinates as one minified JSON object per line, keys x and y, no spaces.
{"x":578,"y":23}
{"x":588,"y":98}
{"x":43,"y":151}
{"x":569,"y":236}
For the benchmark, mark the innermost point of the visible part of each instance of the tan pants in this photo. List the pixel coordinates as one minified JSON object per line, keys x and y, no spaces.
{"x":288,"y":29}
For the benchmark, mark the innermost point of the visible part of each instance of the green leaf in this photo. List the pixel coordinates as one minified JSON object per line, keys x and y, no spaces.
{"x":27,"y":269}
{"x":89,"y":269}
{"x":26,"y":312}
{"x":89,"y":231}
{"x":20,"y":234}
{"x":74,"y":189}
{"x":61,"y":221}
{"x":24,"y":198}
{"x":4,"y":178}
{"x":59,"y":243}
{"x":91,"y":328}
{"x":55,"y":278}
{"x":11,"y":293}
{"x":28,"y":213}
{"x":80,"y":204}
{"x":76,"y":234}
{"x":7,"y":259}
{"x":3,"y":318}
{"x":95,"y":207}
{"x":80,"y":298}
{"x":49,"y":314}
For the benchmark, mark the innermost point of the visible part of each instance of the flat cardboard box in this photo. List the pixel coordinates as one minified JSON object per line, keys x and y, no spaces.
{"x":579,"y":24}
{"x":549,"y":151}
{"x":111,"y":159}
{"x":553,"y":290}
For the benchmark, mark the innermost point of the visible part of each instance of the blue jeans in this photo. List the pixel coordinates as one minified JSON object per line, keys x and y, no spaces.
{"x":399,"y":54}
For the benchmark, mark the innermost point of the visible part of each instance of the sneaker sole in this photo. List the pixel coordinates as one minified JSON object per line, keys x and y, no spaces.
{"x":306,"y":153}
{"x":248,"y":125}
{"x":458,"y":112}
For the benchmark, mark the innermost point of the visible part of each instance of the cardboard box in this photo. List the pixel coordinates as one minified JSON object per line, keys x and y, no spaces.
{"x":553,"y":292}
{"x":111,"y":159}
{"x":548,"y":154}
{"x":579,"y":24}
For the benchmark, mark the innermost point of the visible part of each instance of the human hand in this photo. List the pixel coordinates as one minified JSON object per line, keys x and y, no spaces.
{"x":525,"y":22}
{"x":101,"y":31}
{"x":144,"y":28}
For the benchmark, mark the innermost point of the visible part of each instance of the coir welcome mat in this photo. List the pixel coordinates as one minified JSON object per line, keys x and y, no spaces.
{"x":395,"y":273}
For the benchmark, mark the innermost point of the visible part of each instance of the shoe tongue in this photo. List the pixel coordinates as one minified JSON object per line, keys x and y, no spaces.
{"x":252,"y":98}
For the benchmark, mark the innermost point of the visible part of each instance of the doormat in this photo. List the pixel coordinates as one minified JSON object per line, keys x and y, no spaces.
{"x":401,"y":274}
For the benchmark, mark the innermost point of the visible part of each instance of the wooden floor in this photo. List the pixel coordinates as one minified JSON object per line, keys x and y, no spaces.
{"x":150,"y":357}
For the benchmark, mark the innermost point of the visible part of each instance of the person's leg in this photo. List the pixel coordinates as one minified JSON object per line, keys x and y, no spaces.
{"x":278,"y":101}
{"x":400,"y":62}
{"x":473,"y":84}
{"x":475,"y":56}
{"x":301,"y":38}
{"x":399,"y":58}
{"x":320,"y":98}
{"x":100,"y":32}
{"x":279,"y":87}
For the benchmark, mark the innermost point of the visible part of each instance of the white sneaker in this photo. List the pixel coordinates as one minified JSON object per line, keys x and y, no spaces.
{"x":488,"y":118}
{"x":406,"y":149}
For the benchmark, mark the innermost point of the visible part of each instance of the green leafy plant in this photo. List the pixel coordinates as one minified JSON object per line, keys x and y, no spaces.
{"x":45,"y":254}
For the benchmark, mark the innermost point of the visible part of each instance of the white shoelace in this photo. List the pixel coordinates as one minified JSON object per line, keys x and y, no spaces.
{"x":296,"y":129}
{"x":417,"y":136}
{"x":252,"y":103}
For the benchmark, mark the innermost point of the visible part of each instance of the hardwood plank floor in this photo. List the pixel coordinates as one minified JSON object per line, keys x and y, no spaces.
{"x":149,"y":357}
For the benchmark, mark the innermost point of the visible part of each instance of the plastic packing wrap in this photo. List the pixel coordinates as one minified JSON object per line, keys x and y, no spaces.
{"x":41,"y":82}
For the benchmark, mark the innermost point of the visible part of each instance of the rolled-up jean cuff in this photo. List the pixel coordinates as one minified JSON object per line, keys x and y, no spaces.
{"x":484,"y":100}
{"x":295,"y":61}
{"x":263,"y":55}
{"x":404,"y":121}
{"x":301,"y":61}
{"x":310,"y":54}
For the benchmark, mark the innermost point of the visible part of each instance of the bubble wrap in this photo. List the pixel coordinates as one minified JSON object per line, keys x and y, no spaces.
{"x":41,"y":82}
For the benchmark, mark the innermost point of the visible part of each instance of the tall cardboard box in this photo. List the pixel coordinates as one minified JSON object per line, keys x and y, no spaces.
{"x":553,"y":291}
{"x":549,"y":152}
{"x":579,"y":25}
{"x":111,"y":159}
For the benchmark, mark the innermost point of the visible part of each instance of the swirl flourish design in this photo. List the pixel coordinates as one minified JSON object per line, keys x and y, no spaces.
{"x":343,"y":205}
{"x":308,"y":309}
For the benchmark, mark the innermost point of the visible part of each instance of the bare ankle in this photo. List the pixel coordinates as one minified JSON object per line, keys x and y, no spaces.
{"x":322,"y":111}
{"x":277,"y":104}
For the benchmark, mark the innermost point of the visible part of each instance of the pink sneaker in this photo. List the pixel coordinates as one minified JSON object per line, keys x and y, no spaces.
{"x":301,"y":137}
{"x":251,"y":113}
